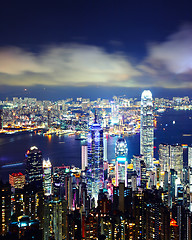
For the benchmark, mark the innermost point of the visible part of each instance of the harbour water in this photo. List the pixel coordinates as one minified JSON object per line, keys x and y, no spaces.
{"x":172,"y":127}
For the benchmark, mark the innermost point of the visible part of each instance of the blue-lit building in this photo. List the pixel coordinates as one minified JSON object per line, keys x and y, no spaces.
{"x":34,"y":167}
{"x":147,"y":128}
{"x":121,"y":151}
{"x":95,"y":171}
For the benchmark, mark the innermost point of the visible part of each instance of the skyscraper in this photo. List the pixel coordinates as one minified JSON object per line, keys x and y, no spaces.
{"x":47,"y":185}
{"x":34,"y":170}
{"x":1,"y":118}
{"x":190,"y":156}
{"x":121,"y":151}
{"x":190,"y":174}
{"x":83,"y":157}
{"x":95,"y":172}
{"x":147,"y":129}
{"x":176,"y":159}
{"x":105,"y":147}
{"x":164,"y":157}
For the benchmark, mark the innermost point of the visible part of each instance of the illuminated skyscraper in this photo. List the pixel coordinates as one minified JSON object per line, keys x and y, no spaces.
{"x":136,"y":161}
{"x":83,"y":157}
{"x":95,"y":173}
{"x":105,"y":147}
{"x":1,"y":118}
{"x":121,"y":151}
{"x":34,"y":170}
{"x":49,"y":118}
{"x":47,"y":185}
{"x":190,"y":156}
{"x":17,"y":180}
{"x":176,"y":159}
{"x":114,"y":113}
{"x":147,"y":129}
{"x":164,"y":157}
{"x":190,"y":175}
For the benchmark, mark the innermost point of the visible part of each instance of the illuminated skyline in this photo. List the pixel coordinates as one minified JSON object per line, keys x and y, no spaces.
{"x":72,"y":47}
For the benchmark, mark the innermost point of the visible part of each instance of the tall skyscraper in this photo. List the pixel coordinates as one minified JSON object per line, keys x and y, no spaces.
{"x":1,"y":118}
{"x":114,"y":113}
{"x":121,"y":151}
{"x":164,"y":157}
{"x":105,"y":147}
{"x":83,"y":157}
{"x":49,"y":118}
{"x":47,"y":185}
{"x":95,"y":172}
{"x":136,"y":161}
{"x":34,"y":170}
{"x":190,"y":156}
{"x":147,"y":129}
{"x":190,"y":175}
{"x":176,"y":159}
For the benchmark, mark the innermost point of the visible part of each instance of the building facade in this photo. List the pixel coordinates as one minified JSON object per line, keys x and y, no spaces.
{"x":147,"y":129}
{"x":95,"y":172}
{"x":34,"y":169}
{"x":121,"y":152}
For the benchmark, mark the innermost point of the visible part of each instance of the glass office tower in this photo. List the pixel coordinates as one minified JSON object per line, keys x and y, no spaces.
{"x":95,"y":172}
{"x":147,"y":129}
{"x":34,"y":168}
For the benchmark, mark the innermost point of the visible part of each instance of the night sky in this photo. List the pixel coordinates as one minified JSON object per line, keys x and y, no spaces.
{"x":95,"y":48}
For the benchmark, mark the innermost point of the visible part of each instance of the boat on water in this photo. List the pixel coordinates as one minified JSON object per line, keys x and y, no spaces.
{"x":161,"y":110}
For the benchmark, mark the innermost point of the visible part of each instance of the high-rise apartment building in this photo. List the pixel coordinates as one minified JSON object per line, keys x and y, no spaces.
{"x":147,"y":129}
{"x":95,"y":172}
{"x":34,"y":169}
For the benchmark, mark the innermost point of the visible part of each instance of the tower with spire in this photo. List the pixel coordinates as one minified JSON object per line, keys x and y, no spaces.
{"x":95,"y":176}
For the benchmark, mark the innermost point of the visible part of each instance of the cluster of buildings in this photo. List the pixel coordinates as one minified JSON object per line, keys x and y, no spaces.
{"x":121,"y":115}
{"x":146,"y":198}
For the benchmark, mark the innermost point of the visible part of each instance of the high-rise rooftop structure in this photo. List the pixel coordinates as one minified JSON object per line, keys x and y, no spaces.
{"x":121,"y":151}
{"x":17,"y":180}
{"x":95,"y":172}
{"x":34,"y":170}
{"x":147,"y":129}
{"x":47,"y":185}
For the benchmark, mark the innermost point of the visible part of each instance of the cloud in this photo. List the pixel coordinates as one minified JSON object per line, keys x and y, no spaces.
{"x":15,"y":61}
{"x":175,"y":54}
{"x":168,"y":64}
{"x":65,"y":65}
